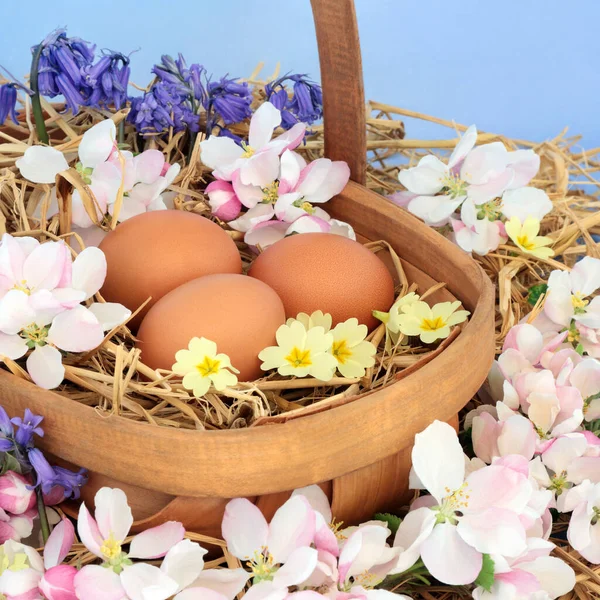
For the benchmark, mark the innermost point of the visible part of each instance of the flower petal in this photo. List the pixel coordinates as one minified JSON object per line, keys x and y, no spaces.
{"x":156,"y":541}
{"x":228,"y":582}
{"x":94,"y":582}
{"x":109,"y":314}
{"x":59,"y":543}
{"x":12,"y":346}
{"x":263,"y":123}
{"x":184,"y":562}
{"x":45,"y":366}
{"x":220,"y":154}
{"x":149,"y":165}
{"x":41,"y":164}
{"x":426,"y":178}
{"x":89,"y":271}
{"x":142,"y":582}
{"x":244,"y":528}
{"x":88,"y":531}
{"x":113,"y":514}
{"x":76,"y":330}
{"x":97,"y":144}
{"x":298,"y":567}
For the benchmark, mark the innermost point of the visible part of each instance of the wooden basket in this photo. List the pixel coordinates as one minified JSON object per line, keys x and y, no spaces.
{"x":360,"y":451}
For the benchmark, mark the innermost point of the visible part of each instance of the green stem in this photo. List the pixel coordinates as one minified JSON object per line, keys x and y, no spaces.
{"x":36,"y":103}
{"x":41,"y":507}
{"x":121,"y":132}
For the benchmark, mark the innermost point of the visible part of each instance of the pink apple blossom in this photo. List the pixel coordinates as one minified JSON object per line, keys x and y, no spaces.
{"x":20,"y":583}
{"x":16,"y":494}
{"x":584,"y":527}
{"x":223,"y":201}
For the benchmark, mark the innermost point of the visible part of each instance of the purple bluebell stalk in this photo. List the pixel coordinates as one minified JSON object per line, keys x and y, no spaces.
{"x":8,"y":102}
{"x":229,"y":100}
{"x":6,"y":432}
{"x":60,"y":68}
{"x":187,"y":79}
{"x":107,"y":81}
{"x":48,"y":476}
{"x":27,"y":427}
{"x":304,"y":106}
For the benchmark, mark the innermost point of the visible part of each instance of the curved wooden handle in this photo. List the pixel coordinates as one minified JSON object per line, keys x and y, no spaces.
{"x":342,"y":80}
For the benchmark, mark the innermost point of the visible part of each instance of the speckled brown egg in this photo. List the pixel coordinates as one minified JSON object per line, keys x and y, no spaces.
{"x":322,"y":271}
{"x":153,"y":253}
{"x":240,"y":314}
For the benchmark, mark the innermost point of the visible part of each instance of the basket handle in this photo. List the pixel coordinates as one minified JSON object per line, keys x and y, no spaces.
{"x":342,"y":80}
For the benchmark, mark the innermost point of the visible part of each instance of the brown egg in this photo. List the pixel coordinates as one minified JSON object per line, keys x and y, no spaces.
{"x":322,"y":271}
{"x":240,"y":314}
{"x":151,"y":254}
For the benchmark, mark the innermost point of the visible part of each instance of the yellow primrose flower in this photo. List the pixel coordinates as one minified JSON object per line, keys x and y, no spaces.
{"x":316,"y":319}
{"x":431,"y":324}
{"x":352,"y":353}
{"x":201,"y":366}
{"x":300,"y":352}
{"x":526,"y":237}
{"x":401,"y":305}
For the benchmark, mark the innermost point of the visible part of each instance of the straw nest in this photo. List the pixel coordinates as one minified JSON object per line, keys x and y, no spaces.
{"x":109,"y":378}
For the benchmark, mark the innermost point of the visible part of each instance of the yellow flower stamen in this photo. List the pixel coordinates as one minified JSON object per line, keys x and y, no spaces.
{"x":299,"y":358}
{"x":271,"y":193}
{"x":341,"y":351}
{"x":578,"y":301}
{"x":110,"y":548}
{"x":525,"y":242}
{"x":249,"y":151}
{"x":22,"y":287}
{"x":208,"y":366}
{"x":433,"y":324}
{"x":455,"y":185}
{"x":262,"y":566}
{"x":336,"y":527}
{"x":308,"y":207}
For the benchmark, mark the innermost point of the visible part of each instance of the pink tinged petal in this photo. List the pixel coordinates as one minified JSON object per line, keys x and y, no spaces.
{"x":199,"y":593}
{"x":261,"y":169}
{"x":324,"y":537}
{"x":131,"y":207}
{"x":524,"y":164}
{"x":109,"y":314}
{"x":79,"y":215}
{"x":493,"y":188}
{"x":262,"y":125}
{"x":97,"y":583}
{"x":97,"y":144}
{"x":308,"y":224}
{"x":59,"y":543}
{"x":44,"y":267}
{"x":289,"y":171}
{"x":558,"y":306}
{"x":228,"y":209}
{"x":527,"y":340}
{"x":244,"y":528}
{"x":221,"y":154}
{"x":88,"y":531}
{"x":586,"y":467}
{"x":585,"y":276}
{"x":227,"y":582}
{"x":248,"y":195}
{"x":149,"y":165}
{"x":58,"y":583}
{"x":76,"y":330}
{"x":464,"y":146}
{"x":484,"y":163}
{"x":365,"y":548}
{"x":485,"y":431}
{"x":543,"y":410}
{"x":265,"y":234}
{"x":113,"y":514}
{"x":497,"y":486}
{"x":289,"y":140}
{"x":156,"y":541}
{"x":517,"y":436}
{"x":449,"y":558}
{"x":13,"y":253}
{"x":184,"y":562}
{"x":493,"y":531}
{"x":434,"y":210}
{"x":21,"y":585}
{"x":563,"y":451}
{"x":298,"y":567}
{"x":526,"y":202}
{"x":15,"y":312}
{"x":15,"y":495}
{"x":45,"y":367}
{"x":89,"y":271}
{"x":415,"y":528}
{"x":512,"y":362}
{"x":292,"y":526}
{"x":522,"y":581}
{"x":403,"y":199}
{"x":438,"y":459}
{"x":142,"y":581}
{"x":250,"y":219}
{"x":285,"y":208}
{"x":555,"y":577}
{"x":266,"y":590}
{"x":426,"y":178}
{"x":318,"y":500}
{"x":41,"y":164}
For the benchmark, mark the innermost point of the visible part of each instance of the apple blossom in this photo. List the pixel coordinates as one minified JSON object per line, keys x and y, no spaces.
{"x":584,"y":527}
{"x":21,"y":569}
{"x":16,"y":495}
{"x":258,"y":160}
{"x":223,"y":201}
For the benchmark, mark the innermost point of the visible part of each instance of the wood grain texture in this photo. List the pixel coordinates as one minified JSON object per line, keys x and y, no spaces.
{"x":342,"y":80}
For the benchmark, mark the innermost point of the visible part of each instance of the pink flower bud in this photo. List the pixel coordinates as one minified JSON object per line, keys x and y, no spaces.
{"x":15,"y":495}
{"x":57,"y":583}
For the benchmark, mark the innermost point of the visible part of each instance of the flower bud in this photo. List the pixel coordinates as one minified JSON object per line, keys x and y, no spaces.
{"x":57,"y":583}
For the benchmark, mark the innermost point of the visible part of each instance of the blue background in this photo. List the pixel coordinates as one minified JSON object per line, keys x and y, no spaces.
{"x":525,"y":68}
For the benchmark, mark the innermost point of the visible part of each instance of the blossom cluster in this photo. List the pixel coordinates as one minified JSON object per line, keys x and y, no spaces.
{"x":41,"y":312}
{"x":546,"y":385}
{"x":481,"y":196}
{"x":110,"y":174}
{"x":411,"y":316}
{"x":274,"y":183}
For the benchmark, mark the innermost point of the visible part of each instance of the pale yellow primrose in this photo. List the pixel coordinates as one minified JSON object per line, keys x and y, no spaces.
{"x":353,"y":354}
{"x":316,"y":319}
{"x":202,"y":367}
{"x":431,"y":323}
{"x":525,"y":236}
{"x":300,"y":352}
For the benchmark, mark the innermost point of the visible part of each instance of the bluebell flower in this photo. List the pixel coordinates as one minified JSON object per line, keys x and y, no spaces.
{"x":161,"y":108}
{"x":8,"y":102}
{"x":107,"y":81}
{"x":6,"y":432}
{"x":61,"y":68}
{"x":229,"y":100}
{"x":304,"y":106}
{"x":187,"y":79}
{"x":27,"y":427}
{"x":47,"y":476}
